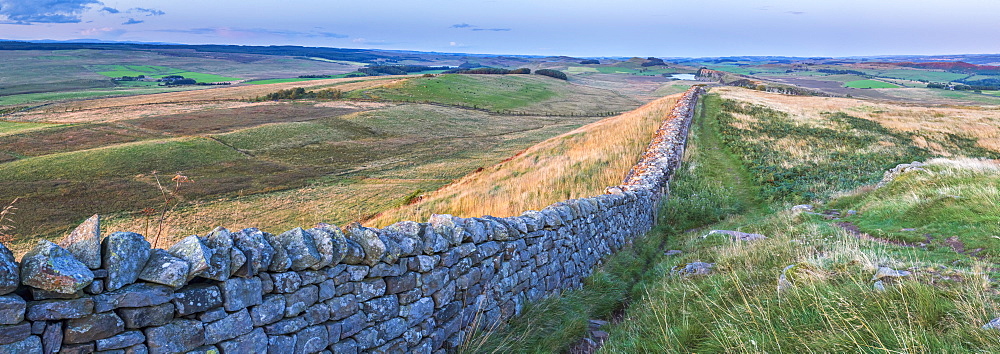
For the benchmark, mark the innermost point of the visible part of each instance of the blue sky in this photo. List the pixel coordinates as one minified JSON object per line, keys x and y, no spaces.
{"x":560,"y":27}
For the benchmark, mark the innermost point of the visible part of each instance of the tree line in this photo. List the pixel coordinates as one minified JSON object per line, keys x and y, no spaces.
{"x":300,"y":93}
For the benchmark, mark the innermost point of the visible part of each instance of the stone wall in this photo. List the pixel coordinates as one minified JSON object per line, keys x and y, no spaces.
{"x":409,"y":287}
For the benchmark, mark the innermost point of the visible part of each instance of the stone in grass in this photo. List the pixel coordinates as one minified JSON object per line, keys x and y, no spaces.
{"x":737,"y":235}
{"x":124,"y":256}
{"x":886,"y":272}
{"x":52,"y":268}
{"x":993,"y":324}
{"x":10,"y":276}
{"x":693,"y":268}
{"x":84,"y":242}
{"x":164,"y":268}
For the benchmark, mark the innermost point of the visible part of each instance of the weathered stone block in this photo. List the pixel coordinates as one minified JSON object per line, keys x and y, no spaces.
{"x":238,"y":293}
{"x":141,"y":317}
{"x":286,"y":326}
{"x":31,"y":344}
{"x":213,"y":315}
{"x":52,"y":337}
{"x":232,"y":326}
{"x":280,"y":344}
{"x":418,"y":311}
{"x":311,"y":339}
{"x":220,"y":241}
{"x":370,"y":288}
{"x":342,"y":307}
{"x":135,"y":295}
{"x":121,"y":341}
{"x":352,"y":325}
{"x":257,"y":250}
{"x":92,"y":327}
{"x":124,"y":254}
{"x":348,"y":346}
{"x":253,"y":342}
{"x":298,"y":301}
{"x":178,"y":336}
{"x":84,"y":243}
{"x":164,"y":268}
{"x":15,"y":332}
{"x":195,"y":252}
{"x":52,"y":268}
{"x":12,"y":309}
{"x":405,"y":282}
{"x":374,"y":248}
{"x":300,"y":247}
{"x":317,"y":313}
{"x":380,"y":309}
{"x":59,"y":309}
{"x":196,"y":298}
{"x":287,"y":282}
{"x":271,"y":309}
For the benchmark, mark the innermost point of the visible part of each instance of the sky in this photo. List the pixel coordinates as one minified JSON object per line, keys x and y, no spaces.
{"x":582,"y":28}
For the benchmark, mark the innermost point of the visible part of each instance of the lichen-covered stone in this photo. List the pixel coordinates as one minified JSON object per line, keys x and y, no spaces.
{"x":270,"y":310}
{"x":280,"y":344}
{"x":52,"y":268}
{"x":124,"y":254}
{"x":52,"y":337}
{"x":353,"y":252}
{"x":220,"y":241}
{"x":280,"y":261}
{"x":31,"y":344}
{"x":84,"y":242}
{"x":12,"y":309}
{"x":324,"y":246}
{"x":197,"y":298}
{"x":165,"y":268}
{"x":300,"y":247}
{"x":369,"y":241}
{"x":15,"y":332}
{"x":121,"y":341}
{"x":232,"y":326}
{"x":257,"y":250}
{"x":236,"y":261}
{"x":10,"y":275}
{"x":178,"y":336}
{"x":286,"y":282}
{"x":135,"y":295}
{"x":238,"y":293}
{"x":195,"y":252}
{"x":311,"y":339}
{"x":297,"y":302}
{"x":253,"y":342}
{"x":49,"y":310}
{"x":141,"y":317}
{"x":92,"y":327}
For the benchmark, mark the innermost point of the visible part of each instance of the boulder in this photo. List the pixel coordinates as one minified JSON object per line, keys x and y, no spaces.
{"x":301,"y":248}
{"x":84,"y":242}
{"x":369,"y":241}
{"x":886,"y":272}
{"x":257,"y":250}
{"x":165,"y":268}
{"x":124,"y":256}
{"x":693,"y":268}
{"x":52,"y":268}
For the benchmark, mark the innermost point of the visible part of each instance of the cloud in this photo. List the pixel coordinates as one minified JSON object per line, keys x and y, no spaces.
{"x":491,"y":29}
{"x":132,"y":21}
{"x":250,"y":32}
{"x":148,"y":12}
{"x":462,"y":25}
{"x":26,"y":12}
{"x":101,"y":32}
{"x":796,"y":12}
{"x":110,"y":10}
{"x":476,"y":28}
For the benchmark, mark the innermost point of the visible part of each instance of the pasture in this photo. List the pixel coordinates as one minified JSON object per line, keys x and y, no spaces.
{"x":869,"y":84}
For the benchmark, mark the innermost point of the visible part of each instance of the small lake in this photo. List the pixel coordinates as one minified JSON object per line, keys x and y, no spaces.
{"x":683,"y":76}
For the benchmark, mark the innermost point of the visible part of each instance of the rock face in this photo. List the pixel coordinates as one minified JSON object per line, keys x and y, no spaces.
{"x":125,"y":254}
{"x":10,"y":276}
{"x":84,"y":242}
{"x":52,"y":268}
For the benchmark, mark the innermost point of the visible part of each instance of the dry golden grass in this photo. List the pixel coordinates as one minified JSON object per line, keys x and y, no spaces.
{"x":979,"y":123}
{"x":577,"y":164}
{"x":121,"y":108}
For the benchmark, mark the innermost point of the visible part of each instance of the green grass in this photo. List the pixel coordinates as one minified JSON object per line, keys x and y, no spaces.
{"x":133,"y":158}
{"x":868,"y":84}
{"x":643,"y":71}
{"x":492,"y":92}
{"x":915,"y":75}
{"x":7,"y":127}
{"x":581,"y":70}
{"x":292,"y":79}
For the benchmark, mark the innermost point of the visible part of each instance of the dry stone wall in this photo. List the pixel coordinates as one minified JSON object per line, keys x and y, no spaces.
{"x":409,"y":287}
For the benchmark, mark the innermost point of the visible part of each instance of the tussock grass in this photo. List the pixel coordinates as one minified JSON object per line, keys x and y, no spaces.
{"x":579,"y":163}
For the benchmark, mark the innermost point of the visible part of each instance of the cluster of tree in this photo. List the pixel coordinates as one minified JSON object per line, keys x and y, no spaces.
{"x":314,"y":76}
{"x":961,"y":87}
{"x":130,"y":78}
{"x":590,"y":61}
{"x":379,"y":70}
{"x":172,"y":80}
{"x":301,"y":93}
{"x":213,"y":83}
{"x":552,"y":73}
{"x":489,"y":71}
{"x":470,"y":65}
{"x":842,"y":72}
{"x":651,"y":61}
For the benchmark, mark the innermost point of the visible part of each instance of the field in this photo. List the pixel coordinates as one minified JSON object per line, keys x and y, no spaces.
{"x":580,"y":163}
{"x":253,"y":163}
{"x":809,"y":286}
{"x":868,"y":84}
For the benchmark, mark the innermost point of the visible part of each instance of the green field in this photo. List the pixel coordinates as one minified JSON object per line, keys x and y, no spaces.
{"x":915,"y":75}
{"x":14,"y":127}
{"x":581,"y":70}
{"x":868,"y":84}
{"x":156,"y":72}
{"x":493,"y":92}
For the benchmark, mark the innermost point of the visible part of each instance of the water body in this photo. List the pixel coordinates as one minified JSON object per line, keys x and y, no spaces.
{"x":683,"y":77}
